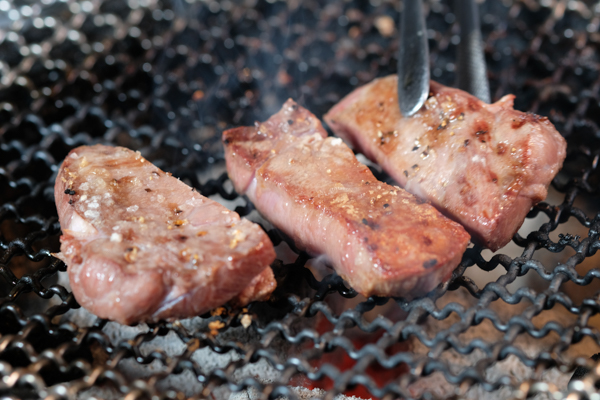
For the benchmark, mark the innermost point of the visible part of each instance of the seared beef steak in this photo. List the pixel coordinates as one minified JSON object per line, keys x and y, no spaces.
{"x":380,"y":238}
{"x":141,"y":245}
{"x":484,"y":165}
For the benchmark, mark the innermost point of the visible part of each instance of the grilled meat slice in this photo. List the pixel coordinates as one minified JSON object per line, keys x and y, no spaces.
{"x":380,"y":238}
{"x":141,"y":245}
{"x":483,"y":165}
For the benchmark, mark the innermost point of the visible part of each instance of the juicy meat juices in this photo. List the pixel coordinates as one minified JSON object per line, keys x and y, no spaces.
{"x":141,"y":245}
{"x":378,"y":237}
{"x":483,"y":165}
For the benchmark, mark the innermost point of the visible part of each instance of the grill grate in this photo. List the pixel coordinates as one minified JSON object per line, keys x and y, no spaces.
{"x":165,"y":78}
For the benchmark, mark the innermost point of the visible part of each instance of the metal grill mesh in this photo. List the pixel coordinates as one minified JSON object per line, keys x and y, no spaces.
{"x":165,"y":78}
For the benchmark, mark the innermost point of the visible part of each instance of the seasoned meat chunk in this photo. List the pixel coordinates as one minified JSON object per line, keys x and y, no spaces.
{"x":141,"y":245}
{"x":380,"y":238}
{"x":483,"y":165}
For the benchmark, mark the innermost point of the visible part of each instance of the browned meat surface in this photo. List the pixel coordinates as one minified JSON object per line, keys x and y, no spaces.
{"x":379,"y":238}
{"x":260,"y":288}
{"x":141,"y":245}
{"x":484,"y":165}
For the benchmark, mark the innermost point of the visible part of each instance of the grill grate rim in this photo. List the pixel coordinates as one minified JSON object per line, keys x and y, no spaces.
{"x":165,"y":78}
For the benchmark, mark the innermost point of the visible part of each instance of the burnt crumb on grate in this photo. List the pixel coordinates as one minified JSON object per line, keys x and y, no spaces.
{"x":136,"y":74}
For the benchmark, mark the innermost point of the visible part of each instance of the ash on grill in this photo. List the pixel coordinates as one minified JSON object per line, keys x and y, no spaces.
{"x":166,"y":78}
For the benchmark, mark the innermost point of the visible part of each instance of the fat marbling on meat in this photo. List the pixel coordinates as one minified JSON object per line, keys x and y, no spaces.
{"x":141,"y":245}
{"x":484,"y":165}
{"x":378,"y":237}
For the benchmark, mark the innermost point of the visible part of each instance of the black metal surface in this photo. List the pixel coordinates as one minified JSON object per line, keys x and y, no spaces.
{"x":413,"y":58}
{"x":471,"y":70}
{"x":166,"y":77}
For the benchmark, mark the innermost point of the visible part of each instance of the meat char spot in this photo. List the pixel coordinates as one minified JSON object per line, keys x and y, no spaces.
{"x":501,"y":148}
{"x":148,"y":190}
{"x":429,"y":263}
{"x":519,"y":121}
{"x":182,"y":238}
{"x":70,"y":192}
{"x":481,"y":129}
{"x":370,"y":224}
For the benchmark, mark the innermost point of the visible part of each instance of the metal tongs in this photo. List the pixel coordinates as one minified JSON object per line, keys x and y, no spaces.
{"x":413,"y":60}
